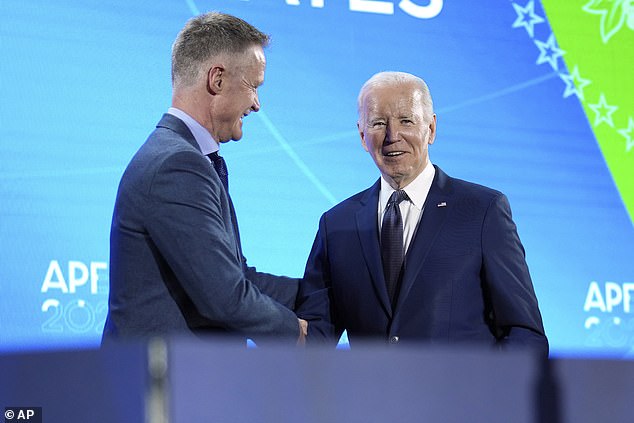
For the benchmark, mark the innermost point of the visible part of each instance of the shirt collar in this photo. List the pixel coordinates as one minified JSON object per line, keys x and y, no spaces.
{"x":202,"y":136}
{"x":416,"y":190}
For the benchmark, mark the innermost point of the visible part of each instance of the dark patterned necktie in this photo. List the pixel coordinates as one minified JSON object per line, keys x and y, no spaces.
{"x":221,"y":168}
{"x":392,"y":243}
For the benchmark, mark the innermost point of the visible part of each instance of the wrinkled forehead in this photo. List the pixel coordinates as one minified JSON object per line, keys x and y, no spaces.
{"x":251,"y":63}
{"x":394,"y":99}
{"x":258,"y":67}
{"x":252,"y":56}
{"x":258,"y":57}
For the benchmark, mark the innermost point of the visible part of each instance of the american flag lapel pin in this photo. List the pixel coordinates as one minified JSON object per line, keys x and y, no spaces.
{"x":442,"y":204}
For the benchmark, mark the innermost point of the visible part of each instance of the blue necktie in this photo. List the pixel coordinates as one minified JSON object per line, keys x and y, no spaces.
{"x":392,"y":243}
{"x":221,"y":168}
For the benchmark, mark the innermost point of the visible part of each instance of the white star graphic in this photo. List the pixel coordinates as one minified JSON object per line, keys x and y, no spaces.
{"x":628,"y":133}
{"x":603,"y":111}
{"x":549,"y":52}
{"x":574,"y":83}
{"x":526,"y":17}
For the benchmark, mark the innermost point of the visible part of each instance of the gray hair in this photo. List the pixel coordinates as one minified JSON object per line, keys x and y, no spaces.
{"x":396,"y":78}
{"x":206,"y":36}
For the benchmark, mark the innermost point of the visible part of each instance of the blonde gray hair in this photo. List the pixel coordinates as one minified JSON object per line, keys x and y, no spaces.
{"x":207,"y":36}
{"x":396,"y":78}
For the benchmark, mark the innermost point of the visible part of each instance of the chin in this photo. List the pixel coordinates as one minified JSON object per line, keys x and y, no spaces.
{"x":237,"y":133}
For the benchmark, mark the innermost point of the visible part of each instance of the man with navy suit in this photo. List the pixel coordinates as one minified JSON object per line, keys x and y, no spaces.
{"x":419,"y":257}
{"x":176,"y":264}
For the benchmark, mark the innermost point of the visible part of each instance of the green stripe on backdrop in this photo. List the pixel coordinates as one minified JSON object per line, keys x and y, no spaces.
{"x":597,"y":37}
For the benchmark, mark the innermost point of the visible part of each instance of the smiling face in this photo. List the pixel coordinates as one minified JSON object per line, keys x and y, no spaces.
{"x":395,"y":131}
{"x":237,"y":93}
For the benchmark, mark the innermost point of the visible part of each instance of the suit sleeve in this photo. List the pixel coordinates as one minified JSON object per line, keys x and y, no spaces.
{"x":281,"y":288}
{"x":516,"y":317}
{"x":314,"y":296}
{"x":186,"y":224}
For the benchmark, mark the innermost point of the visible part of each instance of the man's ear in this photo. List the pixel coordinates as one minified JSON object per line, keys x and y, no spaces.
{"x":215,"y":79}
{"x":362,"y":135}
{"x":432,"y":129}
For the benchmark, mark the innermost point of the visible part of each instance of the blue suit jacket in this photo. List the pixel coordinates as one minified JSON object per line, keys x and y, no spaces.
{"x":465,"y":277}
{"x":176,"y":265}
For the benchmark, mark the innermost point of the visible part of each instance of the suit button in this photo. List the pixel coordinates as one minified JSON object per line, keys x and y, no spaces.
{"x":393,"y":339}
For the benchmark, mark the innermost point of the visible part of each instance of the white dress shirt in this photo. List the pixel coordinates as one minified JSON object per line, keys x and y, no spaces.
{"x":412,"y":210}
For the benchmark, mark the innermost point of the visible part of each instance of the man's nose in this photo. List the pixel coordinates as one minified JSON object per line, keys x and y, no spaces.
{"x":392,"y":133}
{"x":256,"y":103}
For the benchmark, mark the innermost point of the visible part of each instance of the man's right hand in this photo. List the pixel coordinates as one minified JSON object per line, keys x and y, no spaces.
{"x":303,"y":332}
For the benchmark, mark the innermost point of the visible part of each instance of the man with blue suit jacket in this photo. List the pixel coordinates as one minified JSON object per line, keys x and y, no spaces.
{"x":419,"y":257}
{"x":176,"y":264}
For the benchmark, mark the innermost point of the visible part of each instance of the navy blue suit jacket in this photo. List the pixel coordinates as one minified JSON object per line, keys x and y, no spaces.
{"x":176,"y":265}
{"x":465,"y":277}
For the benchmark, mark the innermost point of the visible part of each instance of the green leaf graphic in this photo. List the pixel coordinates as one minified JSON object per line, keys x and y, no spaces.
{"x":598,"y":6}
{"x":614,"y":20}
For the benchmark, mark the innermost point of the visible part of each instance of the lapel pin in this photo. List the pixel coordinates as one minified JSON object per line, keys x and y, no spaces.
{"x":443,"y":204}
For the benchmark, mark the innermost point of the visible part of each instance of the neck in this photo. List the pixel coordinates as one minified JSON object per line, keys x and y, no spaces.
{"x":188,"y":102}
{"x":396,"y":184}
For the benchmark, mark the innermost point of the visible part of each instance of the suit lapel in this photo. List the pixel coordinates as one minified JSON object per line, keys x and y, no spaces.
{"x":437,"y":205}
{"x":236,"y":231}
{"x":368,"y":231}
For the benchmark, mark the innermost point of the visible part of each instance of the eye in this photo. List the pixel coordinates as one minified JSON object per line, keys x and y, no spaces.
{"x":407,"y":121}
{"x":377,"y":124}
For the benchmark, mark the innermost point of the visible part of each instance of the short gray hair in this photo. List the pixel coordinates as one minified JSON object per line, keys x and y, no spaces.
{"x":207,"y":36}
{"x":395,"y":78}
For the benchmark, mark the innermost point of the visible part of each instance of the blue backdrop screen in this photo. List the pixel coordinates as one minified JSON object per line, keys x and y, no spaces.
{"x":83,"y":83}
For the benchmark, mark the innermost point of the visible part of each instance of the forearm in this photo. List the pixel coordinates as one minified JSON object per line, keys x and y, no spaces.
{"x":281,"y":288}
